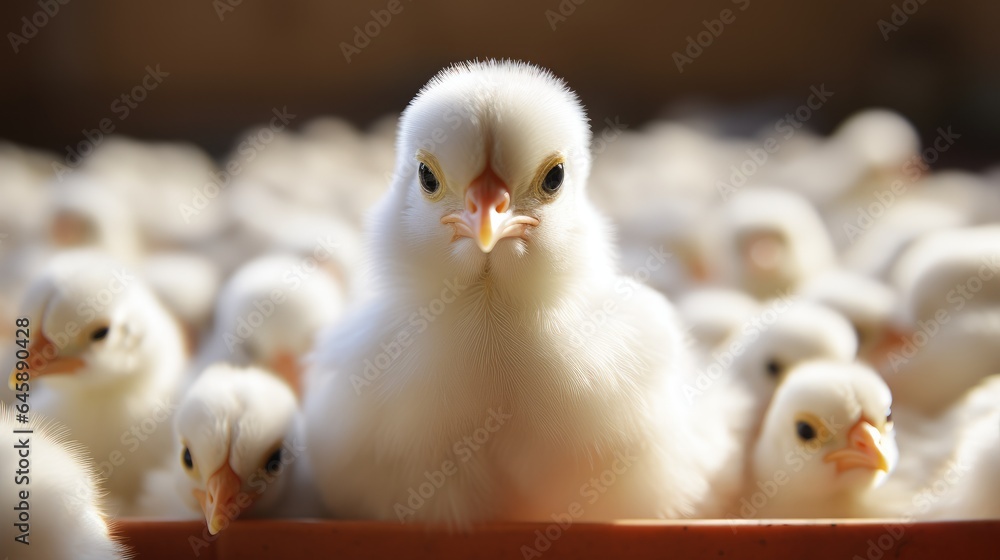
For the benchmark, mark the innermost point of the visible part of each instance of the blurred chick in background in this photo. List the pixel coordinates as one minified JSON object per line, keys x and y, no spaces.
{"x":106,"y":361}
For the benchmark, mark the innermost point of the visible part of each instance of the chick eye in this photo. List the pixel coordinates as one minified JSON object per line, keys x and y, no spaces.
{"x":553,"y":179}
{"x":273,"y":464}
{"x":428,"y":181}
{"x":805,"y":430}
{"x":773,"y":368}
{"x":99,"y":334}
{"x":186,"y":459}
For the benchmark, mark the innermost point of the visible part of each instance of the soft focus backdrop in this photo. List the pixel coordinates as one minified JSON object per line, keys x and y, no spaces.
{"x":231,"y":61}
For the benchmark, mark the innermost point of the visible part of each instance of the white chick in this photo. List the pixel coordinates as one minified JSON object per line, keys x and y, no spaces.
{"x":767,"y":242}
{"x":62,"y":496}
{"x":240,"y":448}
{"x":867,"y":303}
{"x":491,"y":261}
{"x":785,"y":334}
{"x":948,"y":319}
{"x":755,"y":360}
{"x":106,"y":359}
{"x":269,"y":312}
{"x":950,"y":461}
{"x":866,"y":152}
{"x":969,"y":477}
{"x":891,"y":223}
{"x":827,"y":441}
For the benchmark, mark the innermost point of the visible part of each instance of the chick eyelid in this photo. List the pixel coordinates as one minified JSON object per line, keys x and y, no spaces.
{"x":428,"y":159}
{"x":543,"y":170}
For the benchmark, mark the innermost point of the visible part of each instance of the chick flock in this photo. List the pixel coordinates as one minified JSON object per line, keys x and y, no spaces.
{"x":464,"y":317}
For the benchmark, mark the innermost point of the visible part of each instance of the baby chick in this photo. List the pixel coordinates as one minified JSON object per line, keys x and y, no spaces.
{"x":491,"y":264}
{"x":240,"y":450}
{"x":826,"y":442}
{"x":106,"y":359}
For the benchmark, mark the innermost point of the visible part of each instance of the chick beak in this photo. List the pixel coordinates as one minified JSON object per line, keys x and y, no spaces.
{"x":487,"y":208}
{"x":44,"y":360}
{"x":863,"y":450}
{"x":218,"y":502}
{"x":286,"y":365}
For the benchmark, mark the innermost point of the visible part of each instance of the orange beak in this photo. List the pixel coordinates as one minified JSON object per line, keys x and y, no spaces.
{"x":863,"y":450}
{"x":488,"y":216}
{"x":286,"y":365}
{"x":44,"y":359}
{"x":218,"y":501}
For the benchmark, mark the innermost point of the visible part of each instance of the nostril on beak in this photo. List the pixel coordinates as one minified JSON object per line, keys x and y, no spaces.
{"x":504,"y":204}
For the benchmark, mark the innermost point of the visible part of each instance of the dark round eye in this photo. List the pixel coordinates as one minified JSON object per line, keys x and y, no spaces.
{"x":805,"y":430}
{"x":553,"y":179}
{"x":273,"y":464}
{"x":99,"y":334}
{"x":773,"y":368}
{"x":187,"y":460}
{"x":428,"y":181}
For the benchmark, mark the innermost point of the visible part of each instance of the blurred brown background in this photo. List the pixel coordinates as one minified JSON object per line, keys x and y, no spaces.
{"x":938,"y":68}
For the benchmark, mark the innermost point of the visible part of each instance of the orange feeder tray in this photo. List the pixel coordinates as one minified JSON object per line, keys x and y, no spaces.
{"x":813,"y":540}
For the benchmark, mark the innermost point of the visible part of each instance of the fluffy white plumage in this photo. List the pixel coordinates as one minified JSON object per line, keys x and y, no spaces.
{"x":867,"y":303}
{"x":269,"y":312}
{"x":974,"y":487}
{"x":106,"y":361}
{"x":826,"y":442}
{"x":948,"y":319}
{"x":239,"y":450}
{"x":712,"y":315}
{"x":459,"y":338}
{"x":67,"y":517}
